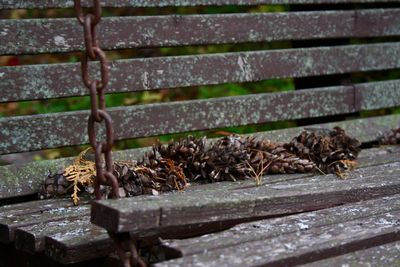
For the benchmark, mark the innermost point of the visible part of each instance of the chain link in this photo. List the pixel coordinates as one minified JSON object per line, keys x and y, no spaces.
{"x":104,"y":172}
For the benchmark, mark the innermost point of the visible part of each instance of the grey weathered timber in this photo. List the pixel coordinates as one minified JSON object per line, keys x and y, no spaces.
{"x":269,"y":228}
{"x":25,"y":179}
{"x":78,"y":244}
{"x":28,"y":133}
{"x":31,"y":238}
{"x":387,"y":255}
{"x":128,"y":75}
{"x":302,"y":246}
{"x":75,"y":231}
{"x":57,"y":212}
{"x":65,"y":35}
{"x":184,"y":208}
{"x":12,"y":4}
{"x":72,"y":247}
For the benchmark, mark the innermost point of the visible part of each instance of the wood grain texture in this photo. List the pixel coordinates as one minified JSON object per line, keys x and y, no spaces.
{"x":128,"y":75}
{"x":270,"y":228}
{"x":28,"y":133}
{"x":307,"y":194}
{"x":12,"y":4}
{"x":302,"y":246}
{"x":387,"y":255}
{"x":25,"y":179}
{"x":56,"y":211}
{"x":65,"y":35}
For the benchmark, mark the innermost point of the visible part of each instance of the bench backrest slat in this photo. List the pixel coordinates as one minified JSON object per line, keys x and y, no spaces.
{"x":12,"y":4}
{"x":63,"y":80}
{"x":65,"y":35}
{"x":47,"y":81}
{"x":26,"y":133}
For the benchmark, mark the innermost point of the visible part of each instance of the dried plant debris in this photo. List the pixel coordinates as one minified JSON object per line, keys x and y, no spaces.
{"x":332,"y":151}
{"x":194,"y":160}
{"x":391,"y":137}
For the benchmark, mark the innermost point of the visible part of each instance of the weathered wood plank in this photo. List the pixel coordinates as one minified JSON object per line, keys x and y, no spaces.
{"x":12,"y":4}
{"x":70,"y":246}
{"x":264,"y":229}
{"x":28,"y":133}
{"x":303,"y":246}
{"x":203,"y":206}
{"x":31,"y":238}
{"x":58,"y":245}
{"x":58,"y":212}
{"x":76,"y":233}
{"x":65,"y":35}
{"x":62,"y":80}
{"x":25,"y":179}
{"x":383,"y":256}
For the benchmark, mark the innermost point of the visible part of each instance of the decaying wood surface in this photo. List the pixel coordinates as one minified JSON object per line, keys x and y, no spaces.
{"x":302,"y":246}
{"x":270,"y":228}
{"x":64,"y":35}
{"x":182,"y":208}
{"x":387,"y":255}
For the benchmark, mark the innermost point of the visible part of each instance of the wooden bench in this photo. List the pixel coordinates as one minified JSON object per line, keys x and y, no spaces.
{"x":334,"y":221}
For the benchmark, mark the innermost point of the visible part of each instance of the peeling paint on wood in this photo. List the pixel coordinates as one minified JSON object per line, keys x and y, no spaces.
{"x":65,"y":35}
{"x":62,"y":80}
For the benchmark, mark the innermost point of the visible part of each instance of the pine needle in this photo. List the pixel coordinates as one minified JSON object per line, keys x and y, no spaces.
{"x":81,"y":173}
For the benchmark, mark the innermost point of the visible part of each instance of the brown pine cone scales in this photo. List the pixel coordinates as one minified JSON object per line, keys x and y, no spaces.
{"x":173,"y":166}
{"x":186,"y":153}
{"x":332,"y":151}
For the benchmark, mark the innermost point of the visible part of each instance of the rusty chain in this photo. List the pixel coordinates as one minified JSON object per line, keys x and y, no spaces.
{"x":104,"y":175}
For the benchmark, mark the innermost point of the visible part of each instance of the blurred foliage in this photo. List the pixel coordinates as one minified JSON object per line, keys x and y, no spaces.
{"x":178,"y":94}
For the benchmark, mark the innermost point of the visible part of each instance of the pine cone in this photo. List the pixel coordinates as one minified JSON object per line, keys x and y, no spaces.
{"x":274,"y":158}
{"x":332,"y":151}
{"x":55,"y":185}
{"x":187,"y":153}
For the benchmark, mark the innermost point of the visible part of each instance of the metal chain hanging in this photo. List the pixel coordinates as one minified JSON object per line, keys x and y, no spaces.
{"x":104,"y":176}
{"x":98,"y":107}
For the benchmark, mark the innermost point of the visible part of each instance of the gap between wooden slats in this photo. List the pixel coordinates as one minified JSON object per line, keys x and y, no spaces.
{"x":65,"y":35}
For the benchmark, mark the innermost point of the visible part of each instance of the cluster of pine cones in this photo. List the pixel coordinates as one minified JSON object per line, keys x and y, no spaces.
{"x":173,"y":166}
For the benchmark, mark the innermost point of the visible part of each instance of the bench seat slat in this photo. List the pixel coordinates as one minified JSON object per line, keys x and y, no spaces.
{"x":30,"y":238}
{"x":68,"y":235}
{"x":69,"y":248}
{"x":270,"y":228}
{"x":199,"y":207}
{"x":8,"y":225}
{"x":387,"y":255}
{"x":304,"y":246}
{"x":65,"y":35}
{"x":28,"y":133}
{"x":25,"y":179}
{"x":12,"y":4}
{"x":62,"y":80}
